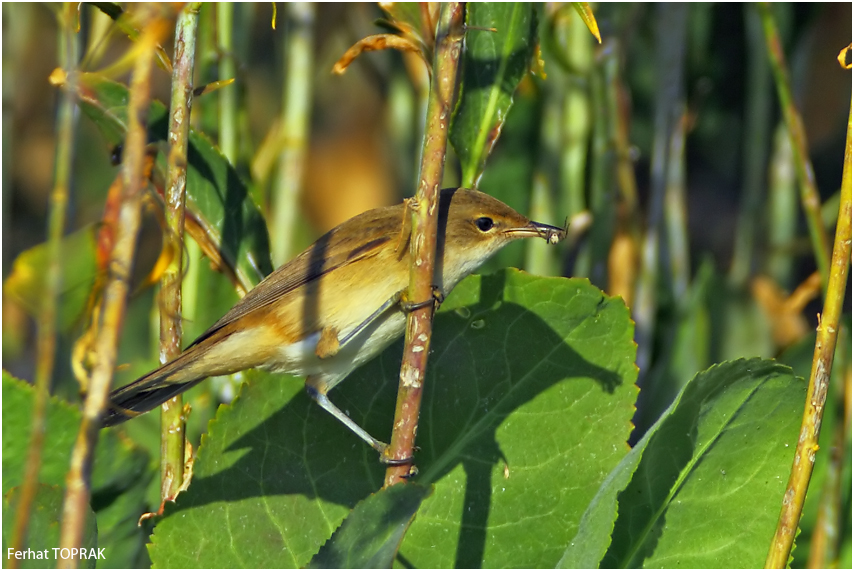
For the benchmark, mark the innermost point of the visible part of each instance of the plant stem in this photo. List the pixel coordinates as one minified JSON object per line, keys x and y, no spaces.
{"x":671,"y":62}
{"x":296,"y":120}
{"x":171,"y":326}
{"x":782,"y":210}
{"x":758,"y":118}
{"x":825,"y":345}
{"x":824,"y":543}
{"x":116,"y":289}
{"x":449,"y":45}
{"x":227,"y":70}
{"x":68,"y":48}
{"x":810,"y":199}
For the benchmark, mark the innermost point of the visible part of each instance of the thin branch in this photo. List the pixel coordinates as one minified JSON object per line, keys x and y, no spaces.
{"x":69,"y":48}
{"x":116,"y":290}
{"x":172,"y":435}
{"x":449,"y":45}
{"x":825,"y":345}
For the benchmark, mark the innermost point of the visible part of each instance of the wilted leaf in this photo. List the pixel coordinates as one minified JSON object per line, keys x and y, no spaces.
{"x":376,"y":43}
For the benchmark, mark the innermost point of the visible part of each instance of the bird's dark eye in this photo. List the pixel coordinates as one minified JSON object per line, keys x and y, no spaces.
{"x":484,"y":223}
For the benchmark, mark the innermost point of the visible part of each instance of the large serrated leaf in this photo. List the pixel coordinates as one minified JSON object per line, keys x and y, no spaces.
{"x":708,"y":489}
{"x":526,"y":409}
{"x":222,"y":215}
{"x":494,"y":63}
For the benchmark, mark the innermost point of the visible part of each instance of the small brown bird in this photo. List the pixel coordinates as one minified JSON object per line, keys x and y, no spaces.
{"x":336,"y":305}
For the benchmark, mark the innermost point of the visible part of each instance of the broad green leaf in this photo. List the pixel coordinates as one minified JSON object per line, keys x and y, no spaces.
{"x":222,"y":215}
{"x":527,"y":408}
{"x":26,"y":284}
{"x":43,"y":530}
{"x":494,"y":63}
{"x":709,"y":486}
{"x":119,"y":477}
{"x":371,"y":534}
{"x":586,"y":549}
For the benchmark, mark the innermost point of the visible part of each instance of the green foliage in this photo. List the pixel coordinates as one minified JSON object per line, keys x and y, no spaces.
{"x":45,"y":517}
{"x":515,"y":358}
{"x":229,"y":222}
{"x":119,"y":478}
{"x":370,"y":536}
{"x":498,"y":54}
{"x":536,"y":446}
{"x":26,"y":283}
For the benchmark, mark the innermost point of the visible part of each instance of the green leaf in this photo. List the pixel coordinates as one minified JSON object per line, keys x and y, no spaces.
{"x":709,"y":486}
{"x":119,"y":477}
{"x":371,"y":534}
{"x":43,"y":531}
{"x":583,"y":9}
{"x":26,"y":283}
{"x":526,"y":409}
{"x":493,"y":65}
{"x":226,"y":219}
{"x":586,"y":549}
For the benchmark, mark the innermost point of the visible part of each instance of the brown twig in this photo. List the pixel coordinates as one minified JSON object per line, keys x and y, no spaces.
{"x":172,"y":435}
{"x":116,"y":290}
{"x":825,"y":345}
{"x":449,"y":45}
{"x":68,"y":42}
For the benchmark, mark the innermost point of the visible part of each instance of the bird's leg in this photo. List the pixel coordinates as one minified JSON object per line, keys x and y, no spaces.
{"x":317,"y":390}
{"x":436,"y":300}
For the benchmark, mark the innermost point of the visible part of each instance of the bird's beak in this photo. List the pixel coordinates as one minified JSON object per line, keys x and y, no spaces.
{"x":551,"y":234}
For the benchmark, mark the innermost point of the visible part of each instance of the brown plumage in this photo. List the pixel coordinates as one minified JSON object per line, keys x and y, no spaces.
{"x":335,"y":305}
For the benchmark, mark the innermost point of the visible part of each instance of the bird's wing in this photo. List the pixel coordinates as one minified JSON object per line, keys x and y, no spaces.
{"x":341,"y":245}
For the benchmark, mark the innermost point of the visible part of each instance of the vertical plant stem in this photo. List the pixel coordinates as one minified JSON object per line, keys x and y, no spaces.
{"x":758,"y":119}
{"x":296,"y":116}
{"x":824,"y":543}
{"x":68,"y":56}
{"x":449,"y":45}
{"x":782,"y":210}
{"x":675,"y":212}
{"x":593,"y":259}
{"x":671,"y":60}
{"x":171,"y":327}
{"x":576,"y":121}
{"x":227,"y":70}
{"x":825,"y":345}
{"x":116,"y":288}
{"x":810,"y":199}
{"x":623,"y":257}
{"x":540,"y":261}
